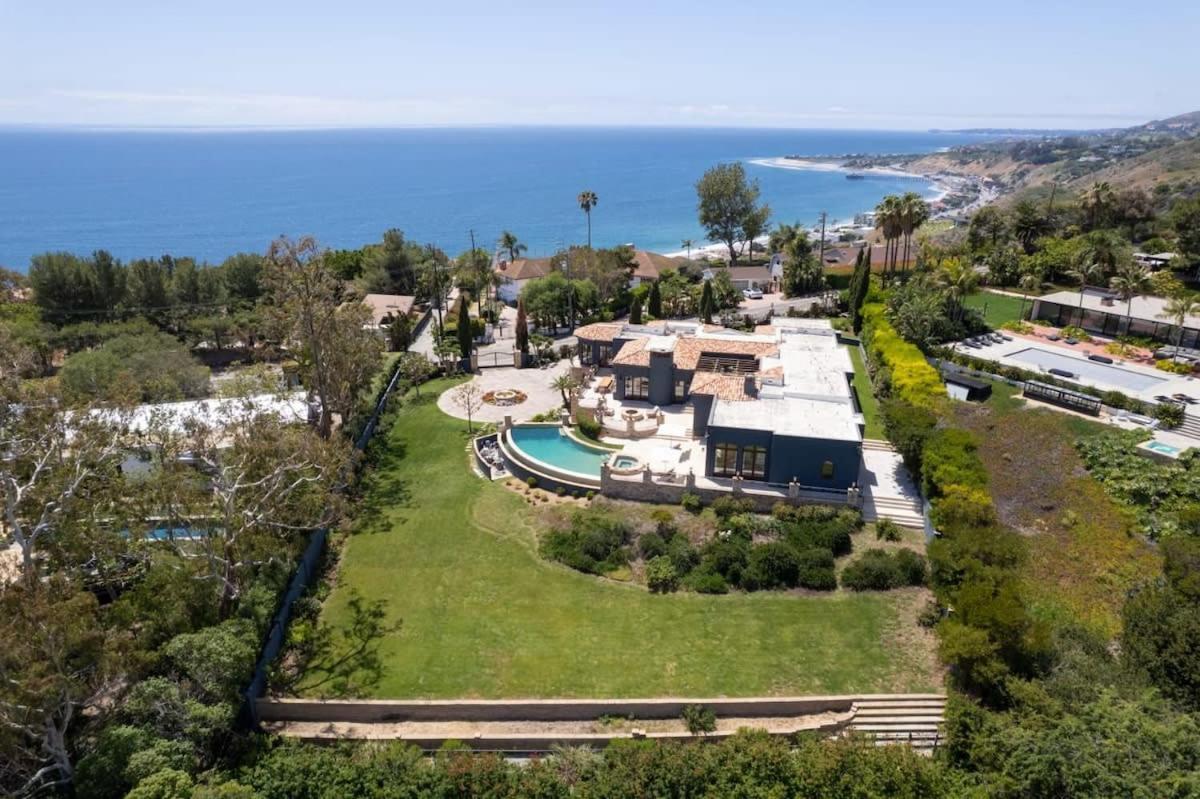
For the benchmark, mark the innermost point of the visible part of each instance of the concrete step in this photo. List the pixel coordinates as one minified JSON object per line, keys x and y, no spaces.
{"x":895,"y":502}
{"x":878,"y":444}
{"x":930,"y":704}
{"x":933,"y":727}
{"x":894,"y":712}
{"x":893,"y":721}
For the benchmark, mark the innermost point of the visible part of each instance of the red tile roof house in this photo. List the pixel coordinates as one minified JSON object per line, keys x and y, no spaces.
{"x":385,"y":307}
{"x":649,"y":266}
{"x":513,"y":275}
{"x":773,"y":408}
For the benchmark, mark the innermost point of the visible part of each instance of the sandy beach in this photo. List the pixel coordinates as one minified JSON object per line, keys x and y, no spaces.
{"x":941,"y":187}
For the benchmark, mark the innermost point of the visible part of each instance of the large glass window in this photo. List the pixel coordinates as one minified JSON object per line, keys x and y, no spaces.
{"x":725,"y":460}
{"x":681,"y":387}
{"x":637,"y":387}
{"x":605,"y":354}
{"x":754,"y":463}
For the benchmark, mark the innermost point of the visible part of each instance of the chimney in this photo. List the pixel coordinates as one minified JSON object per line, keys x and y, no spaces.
{"x":750,"y":386}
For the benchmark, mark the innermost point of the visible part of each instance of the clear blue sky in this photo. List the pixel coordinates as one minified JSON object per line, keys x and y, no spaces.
{"x":778,"y":63}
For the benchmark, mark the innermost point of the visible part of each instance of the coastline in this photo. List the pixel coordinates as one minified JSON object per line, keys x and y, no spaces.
{"x":939,"y":183}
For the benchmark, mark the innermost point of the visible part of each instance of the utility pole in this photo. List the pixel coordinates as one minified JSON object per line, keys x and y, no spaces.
{"x":475,"y":270}
{"x":437,"y":288}
{"x":822,"y":256}
{"x":570,"y":289}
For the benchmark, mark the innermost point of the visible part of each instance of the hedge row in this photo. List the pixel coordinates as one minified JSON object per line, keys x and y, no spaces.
{"x":991,"y":636}
{"x":909,"y":375}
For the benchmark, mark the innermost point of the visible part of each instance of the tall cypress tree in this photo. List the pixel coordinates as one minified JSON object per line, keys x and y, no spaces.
{"x":465,"y":339}
{"x":861,"y":289}
{"x":522,"y":328}
{"x":706,"y":303}
{"x":654,"y":303}
{"x":635,"y":310}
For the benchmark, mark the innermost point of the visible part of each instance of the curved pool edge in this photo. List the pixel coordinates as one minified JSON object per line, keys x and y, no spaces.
{"x":540,"y":468}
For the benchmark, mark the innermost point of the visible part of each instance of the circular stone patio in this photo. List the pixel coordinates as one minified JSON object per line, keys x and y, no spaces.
{"x":536,"y":383}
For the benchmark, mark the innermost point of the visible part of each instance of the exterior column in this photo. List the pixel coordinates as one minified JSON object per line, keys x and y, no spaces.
{"x":508,"y":422}
{"x":690,"y":480}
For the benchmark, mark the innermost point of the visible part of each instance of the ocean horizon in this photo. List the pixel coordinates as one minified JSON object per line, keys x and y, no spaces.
{"x":209,"y":193}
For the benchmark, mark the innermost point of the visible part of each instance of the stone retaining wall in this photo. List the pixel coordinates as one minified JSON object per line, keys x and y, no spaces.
{"x":382,"y":710}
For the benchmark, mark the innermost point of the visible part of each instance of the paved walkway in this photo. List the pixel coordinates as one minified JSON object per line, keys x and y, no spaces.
{"x":541,"y":396}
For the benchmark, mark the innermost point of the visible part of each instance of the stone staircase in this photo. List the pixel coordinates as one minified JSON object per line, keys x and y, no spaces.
{"x":1190,"y":427}
{"x":913,"y":719}
{"x":903,"y":511}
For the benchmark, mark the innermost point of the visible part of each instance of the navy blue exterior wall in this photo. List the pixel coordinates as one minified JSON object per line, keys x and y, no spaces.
{"x":701,"y":409}
{"x":662,"y":372}
{"x":803,"y":458}
{"x":791,"y":457}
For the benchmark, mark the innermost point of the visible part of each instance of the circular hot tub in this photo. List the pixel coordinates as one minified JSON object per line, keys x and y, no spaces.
{"x":624,"y":463}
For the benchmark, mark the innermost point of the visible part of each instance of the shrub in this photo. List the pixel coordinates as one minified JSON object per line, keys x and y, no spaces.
{"x":1169,"y":414}
{"x":949,"y":458}
{"x":827,"y":529}
{"x":1017,"y":326}
{"x":588,"y":426}
{"x":726,"y":556}
{"x":887,"y":530}
{"x":1174,"y":367}
{"x":661,"y":577}
{"x":699,"y":719}
{"x":816,"y":570}
{"x":651,"y":545}
{"x":1075,"y":332}
{"x":147,"y":367}
{"x":703,"y":581}
{"x":875,"y":570}
{"x":590,"y":495}
{"x":912,"y":379}
{"x":726,"y":507}
{"x":560,"y":491}
{"x":594,"y":543}
{"x":911,"y":567}
{"x":771,"y":565}
{"x":531,"y":482}
{"x":963,"y":505}
{"x":682,"y":553}
{"x":691,"y":502}
{"x":908,"y":427}
{"x":1115,"y":399}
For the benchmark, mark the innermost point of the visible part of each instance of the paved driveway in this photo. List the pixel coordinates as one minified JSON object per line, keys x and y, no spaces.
{"x":541,"y":397}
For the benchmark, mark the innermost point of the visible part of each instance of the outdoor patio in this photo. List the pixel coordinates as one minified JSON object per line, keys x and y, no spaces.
{"x":536,"y":384}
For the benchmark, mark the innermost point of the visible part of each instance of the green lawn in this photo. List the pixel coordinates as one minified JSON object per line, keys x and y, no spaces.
{"x":866,"y":395}
{"x":483,"y":616}
{"x":996,"y":308}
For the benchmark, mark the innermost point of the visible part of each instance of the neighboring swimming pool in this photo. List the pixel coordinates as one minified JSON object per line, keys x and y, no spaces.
{"x":551,"y":446}
{"x":1088,"y":371}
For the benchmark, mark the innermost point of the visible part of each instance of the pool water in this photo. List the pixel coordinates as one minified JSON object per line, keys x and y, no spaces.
{"x":1089,"y":371}
{"x":624,"y":462}
{"x":549,"y":445}
{"x":1165,"y":449}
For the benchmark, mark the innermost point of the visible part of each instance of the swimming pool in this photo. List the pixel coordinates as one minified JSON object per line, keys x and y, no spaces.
{"x":1088,"y":371}
{"x":548,"y":444}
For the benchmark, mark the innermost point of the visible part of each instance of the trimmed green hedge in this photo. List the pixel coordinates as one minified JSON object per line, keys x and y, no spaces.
{"x":911,"y":378}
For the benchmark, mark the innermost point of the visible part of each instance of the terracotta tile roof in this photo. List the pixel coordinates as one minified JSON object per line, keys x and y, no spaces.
{"x":775,"y":372}
{"x":689,"y":350}
{"x":633,"y":353}
{"x":525,"y":268}
{"x":731,"y":388}
{"x":599,"y":331}
{"x":385,"y":306}
{"x":649,"y":265}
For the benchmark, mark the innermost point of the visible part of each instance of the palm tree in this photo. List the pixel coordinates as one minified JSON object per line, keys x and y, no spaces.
{"x":509,"y":241}
{"x":565,"y":384}
{"x":1096,"y":201}
{"x":1085,"y":272}
{"x":959,"y":278}
{"x":784,"y":236}
{"x":1030,"y":281}
{"x":1029,"y":224}
{"x":1178,"y":309}
{"x":587,"y":201}
{"x":887,"y":221}
{"x":912,"y":212}
{"x":1105,"y":248}
{"x":1131,"y":280}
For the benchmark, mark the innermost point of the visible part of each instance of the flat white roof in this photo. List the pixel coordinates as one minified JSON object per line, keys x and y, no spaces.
{"x":789,"y":416}
{"x":1147,"y":309}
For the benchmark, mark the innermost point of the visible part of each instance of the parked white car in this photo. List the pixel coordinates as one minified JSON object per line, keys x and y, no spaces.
{"x":752,"y":294}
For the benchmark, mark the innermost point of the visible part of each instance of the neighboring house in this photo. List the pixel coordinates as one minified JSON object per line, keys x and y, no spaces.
{"x":762,"y":278}
{"x":648,"y":266}
{"x":386,"y":307}
{"x":774,"y":407}
{"x":1109,"y":315}
{"x":1154,"y":261}
{"x":513,"y":275}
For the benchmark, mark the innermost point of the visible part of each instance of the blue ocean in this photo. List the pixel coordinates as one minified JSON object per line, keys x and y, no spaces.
{"x":210,"y":194}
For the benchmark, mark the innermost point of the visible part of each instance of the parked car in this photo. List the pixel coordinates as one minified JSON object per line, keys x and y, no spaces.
{"x":752,"y":294}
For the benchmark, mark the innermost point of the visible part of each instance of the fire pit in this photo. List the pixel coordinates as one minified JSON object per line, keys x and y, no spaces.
{"x":504,"y":397}
{"x":631,"y":415}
